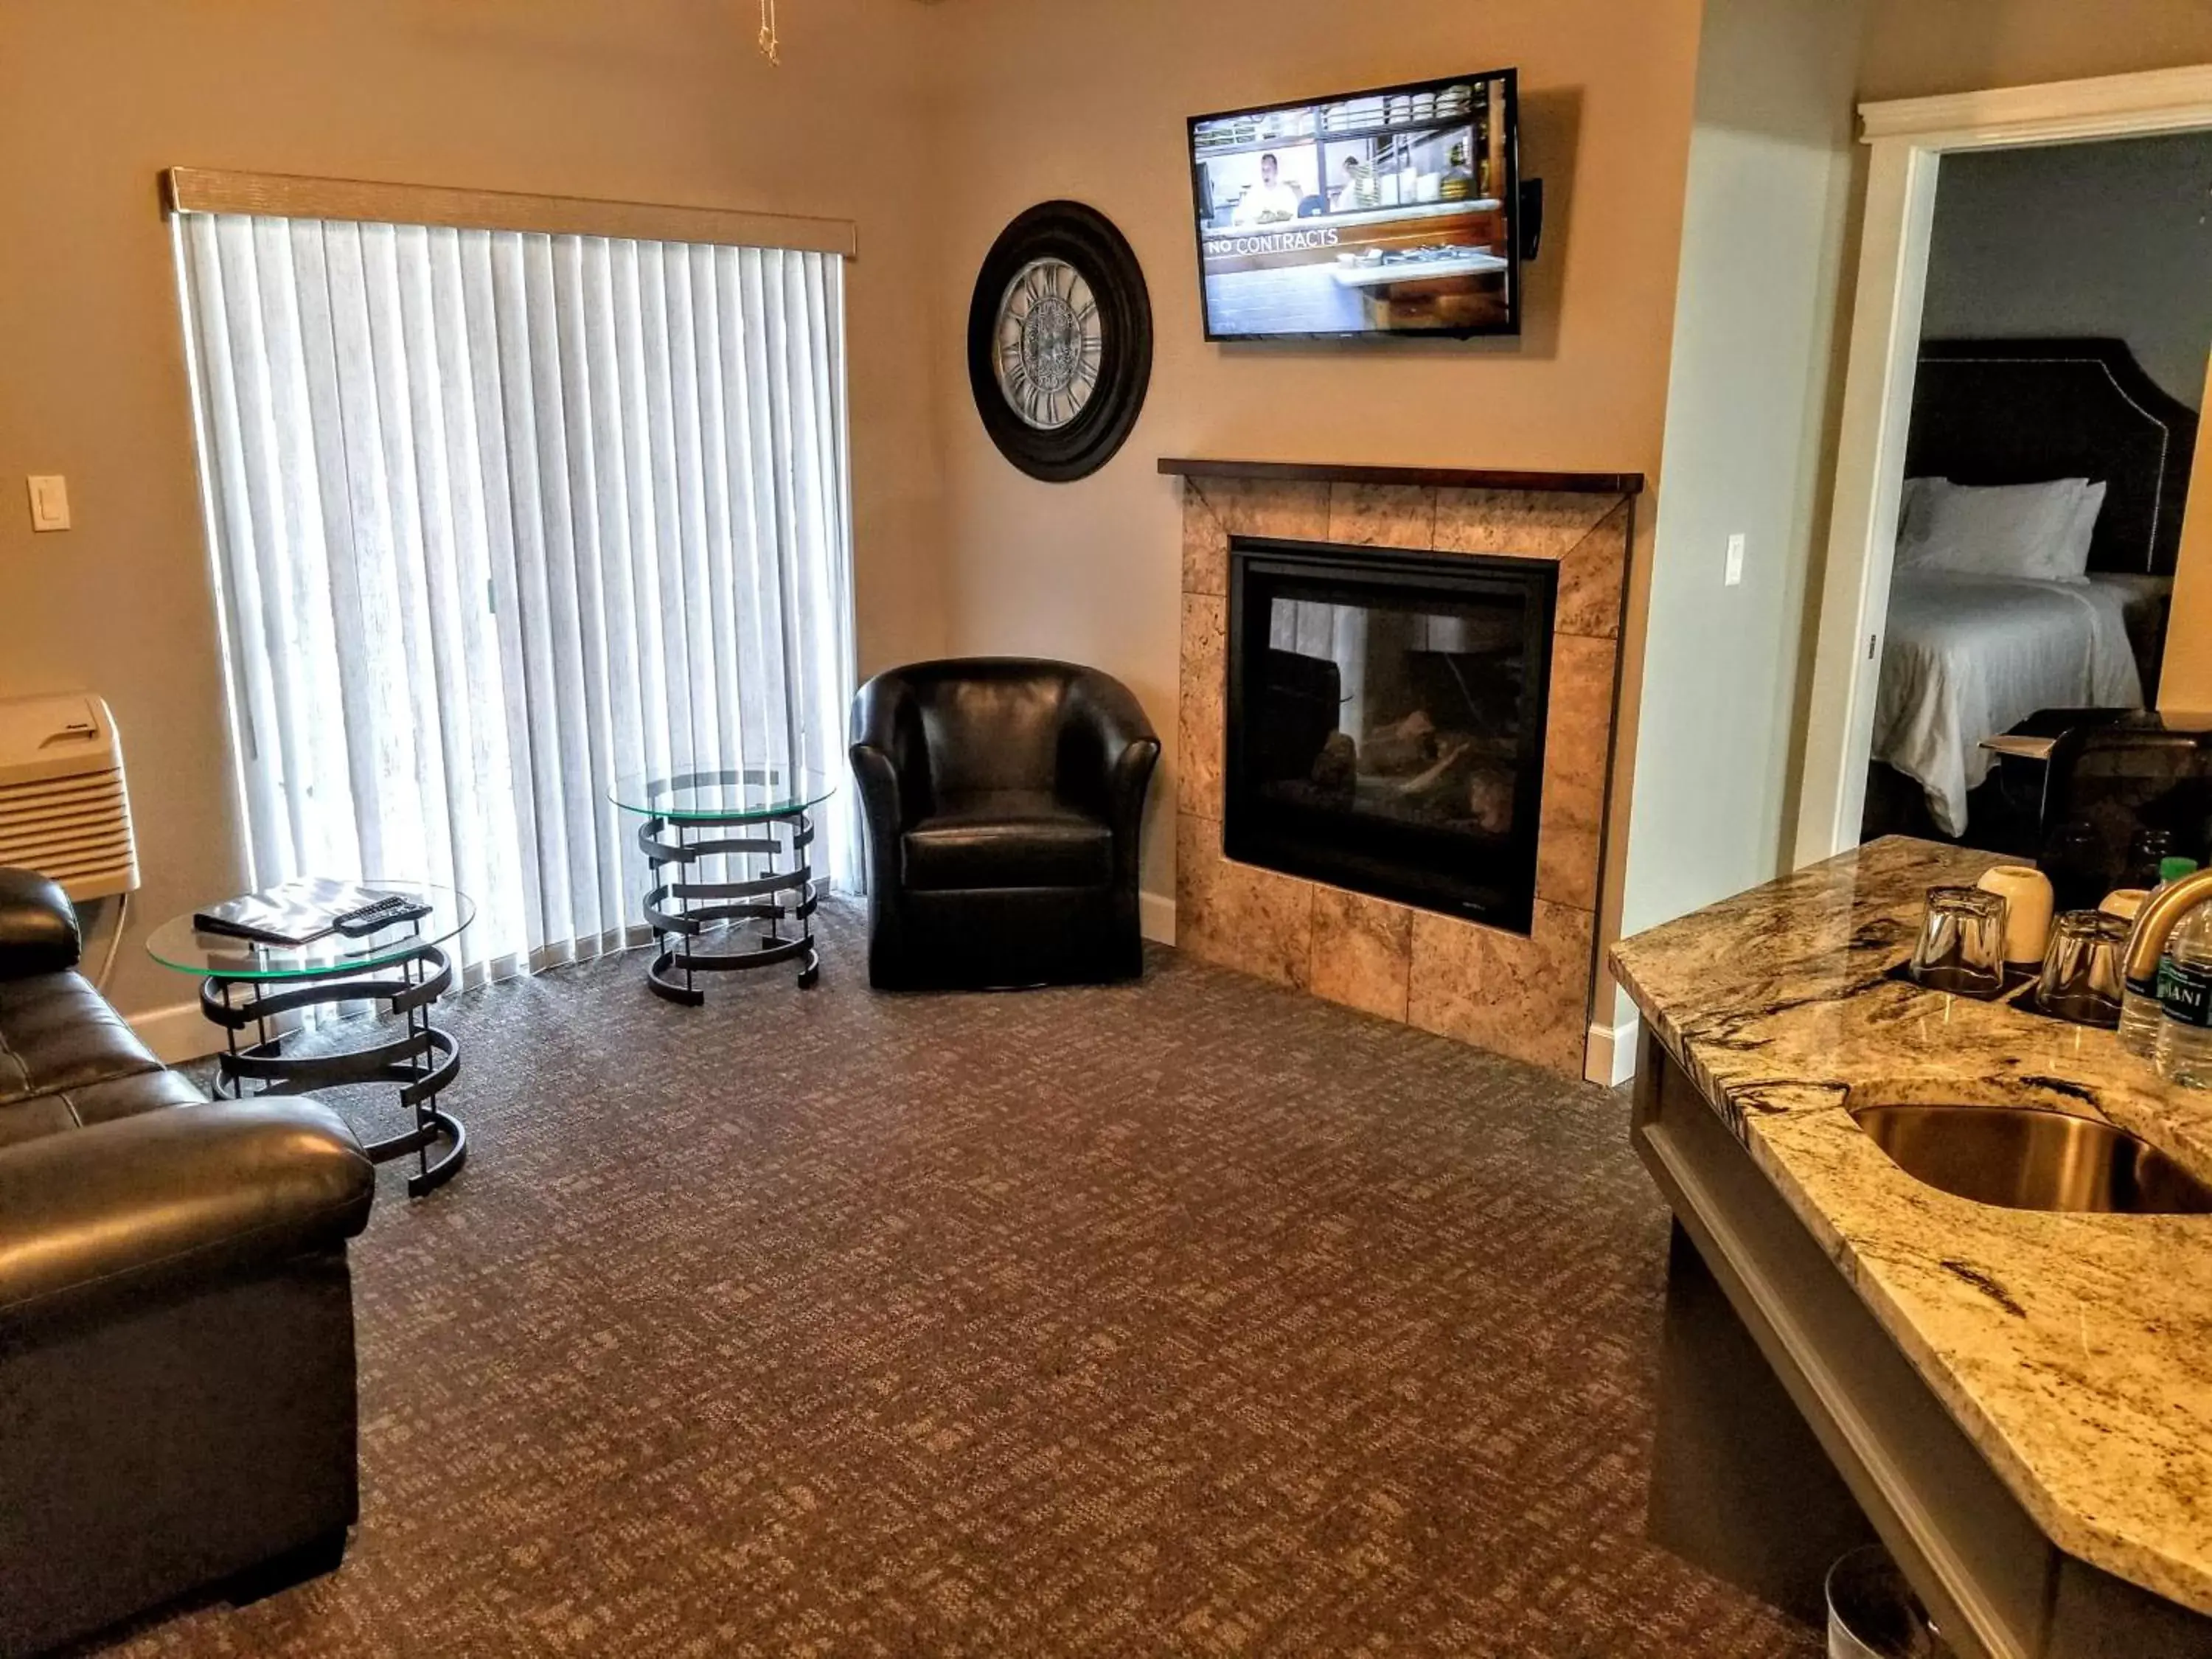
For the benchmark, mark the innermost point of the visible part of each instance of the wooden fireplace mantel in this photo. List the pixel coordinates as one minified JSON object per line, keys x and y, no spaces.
{"x":1431,"y":477}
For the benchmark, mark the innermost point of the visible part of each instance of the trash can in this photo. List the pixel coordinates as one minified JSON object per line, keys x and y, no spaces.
{"x":1873,"y":1612}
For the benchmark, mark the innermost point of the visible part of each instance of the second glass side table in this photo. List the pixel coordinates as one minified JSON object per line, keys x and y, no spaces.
{"x":702,"y":927}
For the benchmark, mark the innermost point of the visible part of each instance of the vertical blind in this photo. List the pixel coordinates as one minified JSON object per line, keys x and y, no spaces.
{"x":498,"y":516}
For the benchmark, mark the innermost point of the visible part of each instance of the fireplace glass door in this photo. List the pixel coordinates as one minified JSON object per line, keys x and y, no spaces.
{"x":1386,"y":722}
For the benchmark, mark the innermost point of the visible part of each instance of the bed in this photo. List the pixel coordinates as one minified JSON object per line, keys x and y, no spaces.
{"x":1968,"y":654}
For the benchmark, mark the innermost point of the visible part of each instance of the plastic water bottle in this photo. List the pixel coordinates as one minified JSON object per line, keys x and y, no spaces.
{"x":2184,"y":981}
{"x":2142,"y":1020}
{"x":2142,"y":1011}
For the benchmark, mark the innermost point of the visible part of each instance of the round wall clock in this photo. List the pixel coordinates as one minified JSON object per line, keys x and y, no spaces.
{"x":1060,"y":341}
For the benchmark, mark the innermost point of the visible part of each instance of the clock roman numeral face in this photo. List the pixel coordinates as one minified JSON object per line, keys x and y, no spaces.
{"x":1048,"y":344}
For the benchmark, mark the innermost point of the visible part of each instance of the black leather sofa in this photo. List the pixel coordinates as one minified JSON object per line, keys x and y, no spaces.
{"x":176,"y":1405}
{"x":1003,"y":798}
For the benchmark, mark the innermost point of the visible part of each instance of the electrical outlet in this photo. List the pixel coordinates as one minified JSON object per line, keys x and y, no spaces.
{"x":1733,"y":573}
{"x":50,"y":508}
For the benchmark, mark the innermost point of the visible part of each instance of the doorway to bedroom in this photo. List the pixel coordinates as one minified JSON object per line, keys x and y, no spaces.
{"x":2028,"y":365}
{"x":2064,"y":333}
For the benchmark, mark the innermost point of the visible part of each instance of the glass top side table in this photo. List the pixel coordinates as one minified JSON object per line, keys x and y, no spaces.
{"x":754,"y":922}
{"x":244,"y":985}
{"x":748,"y":794}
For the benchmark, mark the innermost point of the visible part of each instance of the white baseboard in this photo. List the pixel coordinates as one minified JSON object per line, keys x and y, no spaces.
{"x":176,"y":1034}
{"x":1156,"y":918}
{"x":1610,"y":1058}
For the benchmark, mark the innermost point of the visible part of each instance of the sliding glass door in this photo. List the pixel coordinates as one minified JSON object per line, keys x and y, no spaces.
{"x":497,"y":515}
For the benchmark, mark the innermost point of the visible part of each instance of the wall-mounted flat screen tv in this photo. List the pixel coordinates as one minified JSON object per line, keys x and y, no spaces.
{"x":1388,"y":212}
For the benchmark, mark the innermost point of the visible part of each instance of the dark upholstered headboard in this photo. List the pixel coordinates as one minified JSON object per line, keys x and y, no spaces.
{"x":2020,"y":411}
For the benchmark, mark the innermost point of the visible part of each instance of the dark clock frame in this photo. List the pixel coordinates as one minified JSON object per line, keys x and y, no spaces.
{"x":1086,"y":240}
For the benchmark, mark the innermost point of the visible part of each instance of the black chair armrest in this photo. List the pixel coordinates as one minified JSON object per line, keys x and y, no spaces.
{"x":171,"y":1196}
{"x":1107,"y":749}
{"x":891,"y":766}
{"x":38,"y":926}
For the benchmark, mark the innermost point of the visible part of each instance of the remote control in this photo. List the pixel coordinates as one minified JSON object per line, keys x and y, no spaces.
{"x":373,"y":918}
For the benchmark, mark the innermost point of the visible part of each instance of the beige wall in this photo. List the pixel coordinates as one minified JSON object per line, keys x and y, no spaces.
{"x":665,"y":101}
{"x":1749,"y":432}
{"x":1916,"y":47}
{"x":1043,"y":100}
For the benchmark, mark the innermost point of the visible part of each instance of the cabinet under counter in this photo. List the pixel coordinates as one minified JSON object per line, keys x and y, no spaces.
{"x":2019,"y":1403}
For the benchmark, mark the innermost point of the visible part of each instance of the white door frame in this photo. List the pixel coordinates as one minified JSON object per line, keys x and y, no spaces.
{"x":1906,"y":141}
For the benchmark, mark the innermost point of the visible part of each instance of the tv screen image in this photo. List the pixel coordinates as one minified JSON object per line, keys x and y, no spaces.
{"x":1386,"y":212}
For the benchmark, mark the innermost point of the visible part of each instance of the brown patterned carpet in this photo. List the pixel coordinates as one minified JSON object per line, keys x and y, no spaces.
{"x":1191,"y":1317}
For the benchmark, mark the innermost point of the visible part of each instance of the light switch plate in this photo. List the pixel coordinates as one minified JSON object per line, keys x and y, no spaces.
{"x":1734,"y":573}
{"x":49,"y":508}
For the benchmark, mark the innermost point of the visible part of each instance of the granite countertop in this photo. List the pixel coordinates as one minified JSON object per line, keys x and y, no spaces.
{"x":2075,"y":1350}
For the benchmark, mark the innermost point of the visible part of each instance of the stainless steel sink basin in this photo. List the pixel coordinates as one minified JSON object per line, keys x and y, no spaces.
{"x":2026,"y":1159}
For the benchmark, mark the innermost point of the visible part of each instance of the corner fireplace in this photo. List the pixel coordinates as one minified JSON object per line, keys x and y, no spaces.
{"x":1386,"y":717}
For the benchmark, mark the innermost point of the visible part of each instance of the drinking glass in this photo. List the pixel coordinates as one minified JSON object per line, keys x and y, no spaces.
{"x":2082,"y":968}
{"x":1961,"y":945}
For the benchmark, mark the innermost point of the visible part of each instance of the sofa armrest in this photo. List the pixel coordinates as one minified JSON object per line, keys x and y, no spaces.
{"x":170,"y":1195}
{"x":38,"y":926}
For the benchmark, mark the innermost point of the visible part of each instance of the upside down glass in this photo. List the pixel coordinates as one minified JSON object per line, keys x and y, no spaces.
{"x":1961,"y":943}
{"x":2082,"y":970}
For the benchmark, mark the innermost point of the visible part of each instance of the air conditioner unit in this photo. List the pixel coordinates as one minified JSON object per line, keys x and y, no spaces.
{"x":63,"y":810}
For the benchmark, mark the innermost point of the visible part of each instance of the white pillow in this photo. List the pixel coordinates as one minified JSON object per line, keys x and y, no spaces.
{"x":1912,"y":520}
{"x":2038,"y":530}
{"x":2070,"y":560}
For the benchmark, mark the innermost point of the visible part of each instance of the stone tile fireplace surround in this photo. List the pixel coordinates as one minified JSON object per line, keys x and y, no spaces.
{"x":1526,"y":996}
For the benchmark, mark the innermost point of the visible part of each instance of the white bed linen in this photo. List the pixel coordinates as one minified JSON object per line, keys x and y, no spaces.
{"x":1969,"y":656}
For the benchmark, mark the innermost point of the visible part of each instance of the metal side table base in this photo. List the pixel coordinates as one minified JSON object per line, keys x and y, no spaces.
{"x":686,"y":914}
{"x":422,"y":1059}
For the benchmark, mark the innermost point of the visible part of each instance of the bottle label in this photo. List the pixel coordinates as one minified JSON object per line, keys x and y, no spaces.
{"x":2185,"y":993}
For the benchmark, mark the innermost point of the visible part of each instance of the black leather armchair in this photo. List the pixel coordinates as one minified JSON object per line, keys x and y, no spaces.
{"x":176,"y":1405}
{"x":1004,"y":800}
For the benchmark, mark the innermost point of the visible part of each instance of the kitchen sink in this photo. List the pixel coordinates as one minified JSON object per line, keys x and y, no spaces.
{"x":2026,"y":1158}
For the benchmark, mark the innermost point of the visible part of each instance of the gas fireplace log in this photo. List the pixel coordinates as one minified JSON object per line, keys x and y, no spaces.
{"x":1336,"y":769}
{"x":1464,"y":786}
{"x":1490,"y":800}
{"x":1437,"y":783}
{"x":1400,"y":746}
